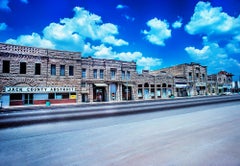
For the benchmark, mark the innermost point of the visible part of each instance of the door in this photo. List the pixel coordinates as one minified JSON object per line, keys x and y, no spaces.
{"x":28,"y":99}
{"x":146,"y":93}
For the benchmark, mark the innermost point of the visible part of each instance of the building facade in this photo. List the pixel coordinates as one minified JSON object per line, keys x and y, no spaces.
{"x":189,"y":79}
{"x":33,"y":75}
{"x":220,"y":83}
{"x":30,"y":75}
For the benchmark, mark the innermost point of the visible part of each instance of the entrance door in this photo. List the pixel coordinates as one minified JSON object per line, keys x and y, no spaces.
{"x":146,"y":93}
{"x":28,"y":98}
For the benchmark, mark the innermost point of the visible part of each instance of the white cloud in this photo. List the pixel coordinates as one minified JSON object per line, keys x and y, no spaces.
{"x":71,"y":33}
{"x":120,"y":6}
{"x":3,"y":26}
{"x":177,"y":24}
{"x":148,"y":63}
{"x":116,"y":42}
{"x":212,"y":21}
{"x":158,"y":33}
{"x":107,"y":53}
{"x":197,"y":53}
{"x":129,"y":17}
{"x":221,"y":39}
{"x":34,"y":39}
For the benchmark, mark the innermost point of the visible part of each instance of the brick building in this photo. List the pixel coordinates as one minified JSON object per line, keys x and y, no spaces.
{"x":189,"y":79}
{"x":220,"y":83}
{"x":31,"y":75}
{"x":107,"y":80}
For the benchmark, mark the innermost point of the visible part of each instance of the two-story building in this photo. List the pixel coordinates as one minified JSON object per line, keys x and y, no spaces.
{"x":189,"y":79}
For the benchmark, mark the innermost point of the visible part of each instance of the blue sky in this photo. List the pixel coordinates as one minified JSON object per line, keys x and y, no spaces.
{"x":153,"y":33}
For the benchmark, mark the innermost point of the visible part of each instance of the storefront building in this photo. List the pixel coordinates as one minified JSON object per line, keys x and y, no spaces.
{"x":107,"y":80}
{"x":193,"y":76}
{"x":31,"y":75}
{"x":220,"y":83}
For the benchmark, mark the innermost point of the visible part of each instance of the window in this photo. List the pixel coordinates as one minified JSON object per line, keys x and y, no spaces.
{"x":83,"y":85}
{"x":190,"y":76}
{"x":83,"y":73}
{"x":37,"y":68}
{"x":128,"y":75}
{"x":203,"y":77}
{"x":101,"y":74}
{"x":113,"y":74}
{"x":62,"y":70}
{"x":95,"y":73}
{"x":23,"y":67}
{"x":6,"y":67}
{"x":53,"y":69}
{"x":71,"y":70}
{"x":123,"y":75}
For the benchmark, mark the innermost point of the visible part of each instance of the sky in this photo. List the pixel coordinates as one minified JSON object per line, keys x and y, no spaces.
{"x":153,"y":33}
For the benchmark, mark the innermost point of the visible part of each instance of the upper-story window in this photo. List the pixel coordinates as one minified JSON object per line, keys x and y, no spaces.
{"x":128,"y":75}
{"x":123,"y":75}
{"x":71,"y":70}
{"x":101,"y":74}
{"x":62,"y":70}
{"x":83,"y":73}
{"x":23,"y":67}
{"x":53,"y":69}
{"x":6,"y":66}
{"x":190,"y":76}
{"x":37,"y":68}
{"x":203,"y":77}
{"x":113,"y":74}
{"x":95,"y":73}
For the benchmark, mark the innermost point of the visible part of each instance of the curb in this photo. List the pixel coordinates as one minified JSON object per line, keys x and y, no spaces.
{"x":59,"y":116}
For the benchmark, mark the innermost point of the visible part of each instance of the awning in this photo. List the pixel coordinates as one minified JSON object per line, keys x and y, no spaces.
{"x":128,"y":85}
{"x":101,"y":85}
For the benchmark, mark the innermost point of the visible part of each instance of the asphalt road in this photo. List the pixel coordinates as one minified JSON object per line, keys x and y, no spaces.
{"x":203,"y":135}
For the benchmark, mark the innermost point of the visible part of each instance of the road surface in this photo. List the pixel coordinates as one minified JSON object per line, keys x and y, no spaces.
{"x":203,"y":135}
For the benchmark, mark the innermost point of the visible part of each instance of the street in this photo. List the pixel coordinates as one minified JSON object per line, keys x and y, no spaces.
{"x":202,"y":135}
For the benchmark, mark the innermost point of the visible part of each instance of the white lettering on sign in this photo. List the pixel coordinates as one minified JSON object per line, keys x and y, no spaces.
{"x":38,"y":89}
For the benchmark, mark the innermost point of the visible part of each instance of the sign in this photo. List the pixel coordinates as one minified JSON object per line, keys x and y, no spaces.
{"x":19,"y":89}
{"x":73,"y":96}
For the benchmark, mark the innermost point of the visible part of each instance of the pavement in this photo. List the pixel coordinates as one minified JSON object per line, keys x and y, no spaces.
{"x":27,"y":115}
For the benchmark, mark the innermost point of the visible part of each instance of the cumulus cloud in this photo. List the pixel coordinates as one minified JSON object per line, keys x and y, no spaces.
{"x":3,"y":26}
{"x":105,"y":52}
{"x":33,"y":39}
{"x":158,"y":33}
{"x":70,"y":33}
{"x":177,"y":24}
{"x":120,"y":6}
{"x":221,"y":36}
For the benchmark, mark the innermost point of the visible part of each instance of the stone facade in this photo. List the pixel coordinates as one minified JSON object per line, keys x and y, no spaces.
{"x":220,"y":83}
{"x":23,"y":69}
{"x":189,"y":79}
{"x":30,"y":75}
